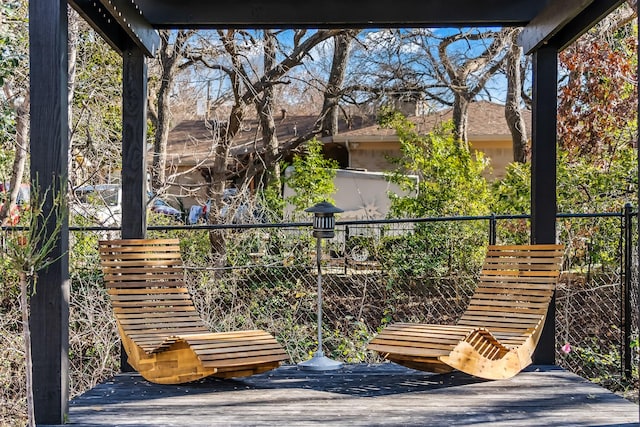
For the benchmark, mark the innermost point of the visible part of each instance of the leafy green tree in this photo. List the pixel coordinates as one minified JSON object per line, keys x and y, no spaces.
{"x":597,"y":130}
{"x":450,"y":177}
{"x":450,"y":184}
{"x":312,"y":178}
{"x":271,"y":202}
{"x":586,"y":184}
{"x":512,"y":194}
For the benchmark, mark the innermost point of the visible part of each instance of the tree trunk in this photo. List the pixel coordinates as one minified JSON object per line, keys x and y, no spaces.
{"x":330,"y":110}
{"x":513,"y":111}
{"x":170,"y":53}
{"x":217,"y":185}
{"x":270,"y":175}
{"x":460,"y":119}
{"x":161,"y":136}
{"x":159,"y":165}
{"x":467,"y":74}
{"x":265,"y":108}
{"x":71,"y":82}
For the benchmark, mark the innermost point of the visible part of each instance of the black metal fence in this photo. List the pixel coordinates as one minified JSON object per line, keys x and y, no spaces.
{"x":374,"y":273}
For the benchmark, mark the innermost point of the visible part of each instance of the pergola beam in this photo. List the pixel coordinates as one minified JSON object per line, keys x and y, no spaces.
{"x":563,"y":21}
{"x":550,"y":20}
{"x":195,"y":14}
{"x":102,"y":23}
{"x":134,"y":134}
{"x":134,"y":164}
{"x":586,"y":19}
{"x":120,"y":23}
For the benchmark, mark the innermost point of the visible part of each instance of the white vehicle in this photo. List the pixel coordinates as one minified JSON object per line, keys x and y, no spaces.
{"x":361,"y":195}
{"x":101,"y":204}
{"x":235,"y":210}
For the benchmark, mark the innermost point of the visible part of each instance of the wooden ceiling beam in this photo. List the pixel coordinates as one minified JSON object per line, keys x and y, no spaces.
{"x":563,"y":21}
{"x":102,"y":22}
{"x":198,"y":14}
{"x":134,"y":23}
{"x":586,"y":19}
{"x":120,"y":23}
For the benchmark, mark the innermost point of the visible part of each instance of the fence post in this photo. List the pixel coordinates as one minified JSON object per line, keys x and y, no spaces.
{"x":627,"y":289}
{"x":492,"y":229}
{"x":346,"y":255}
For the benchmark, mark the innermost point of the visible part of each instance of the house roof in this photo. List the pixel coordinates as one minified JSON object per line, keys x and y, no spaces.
{"x":193,"y":141}
{"x":486,"y":120}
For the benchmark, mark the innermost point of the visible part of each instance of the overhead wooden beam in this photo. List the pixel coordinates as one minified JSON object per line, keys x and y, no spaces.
{"x":563,"y":21}
{"x":102,"y":22}
{"x":586,"y":19}
{"x":131,"y":19}
{"x":121,"y":25}
{"x":197,"y":14}
{"x":134,"y":165}
{"x":549,"y":21}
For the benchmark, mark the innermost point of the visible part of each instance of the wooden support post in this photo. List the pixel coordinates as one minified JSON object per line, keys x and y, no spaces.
{"x":543,"y":175}
{"x":134,"y":147}
{"x":134,"y":168}
{"x":49,"y":322}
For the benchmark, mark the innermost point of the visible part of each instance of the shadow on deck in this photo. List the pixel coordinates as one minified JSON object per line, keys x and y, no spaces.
{"x":361,"y":395}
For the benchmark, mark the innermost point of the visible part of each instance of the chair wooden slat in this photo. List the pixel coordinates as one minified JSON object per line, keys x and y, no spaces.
{"x":162,"y":333}
{"x":497,"y":334}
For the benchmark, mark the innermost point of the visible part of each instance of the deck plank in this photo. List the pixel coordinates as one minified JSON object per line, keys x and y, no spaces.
{"x":357,"y":395}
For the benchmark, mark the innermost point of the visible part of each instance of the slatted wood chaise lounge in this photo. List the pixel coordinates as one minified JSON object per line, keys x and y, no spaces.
{"x":497,"y":334}
{"x":165,"y":339}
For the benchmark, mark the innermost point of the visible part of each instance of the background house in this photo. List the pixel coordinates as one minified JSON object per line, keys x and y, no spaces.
{"x":360,"y":145}
{"x":369,"y":147}
{"x":191,"y":146}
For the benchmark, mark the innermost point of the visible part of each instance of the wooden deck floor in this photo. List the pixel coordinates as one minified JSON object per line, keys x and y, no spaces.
{"x":358,"y":395}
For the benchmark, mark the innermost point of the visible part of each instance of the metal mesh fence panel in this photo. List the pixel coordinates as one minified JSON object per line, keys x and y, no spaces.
{"x":590,"y":303}
{"x":372,"y":274}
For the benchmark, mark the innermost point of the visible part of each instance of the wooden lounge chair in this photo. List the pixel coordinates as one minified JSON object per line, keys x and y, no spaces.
{"x":496,"y":335}
{"x":165,"y":339}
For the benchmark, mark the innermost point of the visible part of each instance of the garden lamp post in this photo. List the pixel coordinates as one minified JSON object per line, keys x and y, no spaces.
{"x":323,"y":227}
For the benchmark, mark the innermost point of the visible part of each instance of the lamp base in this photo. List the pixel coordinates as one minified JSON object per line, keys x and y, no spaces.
{"x":320,"y":363}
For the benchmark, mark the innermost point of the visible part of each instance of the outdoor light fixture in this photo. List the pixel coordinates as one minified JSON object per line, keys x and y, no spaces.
{"x":323,"y":227}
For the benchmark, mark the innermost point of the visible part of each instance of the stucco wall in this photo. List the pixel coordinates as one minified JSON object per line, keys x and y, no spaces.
{"x":373,"y":156}
{"x":500,"y":154}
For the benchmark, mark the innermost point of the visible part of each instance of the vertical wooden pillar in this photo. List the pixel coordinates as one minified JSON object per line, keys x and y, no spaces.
{"x":134,"y":129}
{"x":134,"y":147}
{"x":543,"y":175}
{"x":49,"y":322}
